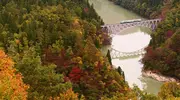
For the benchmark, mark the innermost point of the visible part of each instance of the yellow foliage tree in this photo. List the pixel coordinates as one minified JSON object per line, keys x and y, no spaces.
{"x":170,"y":91}
{"x":11,"y":84}
{"x":90,"y":50}
{"x":68,"y":95}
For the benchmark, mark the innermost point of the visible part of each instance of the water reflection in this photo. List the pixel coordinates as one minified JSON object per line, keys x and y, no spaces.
{"x":135,"y":39}
{"x":132,"y":73}
{"x":132,"y":30}
{"x":130,"y":42}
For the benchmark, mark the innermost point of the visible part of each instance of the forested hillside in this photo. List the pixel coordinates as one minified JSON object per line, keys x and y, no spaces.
{"x":55,"y":45}
{"x":53,"y":53}
{"x":147,"y":8}
{"x":163,"y":53}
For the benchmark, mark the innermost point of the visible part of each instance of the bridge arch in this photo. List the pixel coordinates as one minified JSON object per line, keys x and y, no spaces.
{"x":118,"y":54}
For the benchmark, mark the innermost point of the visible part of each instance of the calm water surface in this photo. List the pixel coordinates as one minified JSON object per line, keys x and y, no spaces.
{"x":130,"y":40}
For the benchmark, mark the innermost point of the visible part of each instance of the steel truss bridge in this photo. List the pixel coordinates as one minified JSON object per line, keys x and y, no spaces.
{"x":116,"y":29}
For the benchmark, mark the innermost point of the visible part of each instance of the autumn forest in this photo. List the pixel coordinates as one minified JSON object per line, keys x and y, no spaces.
{"x":50,"y":50}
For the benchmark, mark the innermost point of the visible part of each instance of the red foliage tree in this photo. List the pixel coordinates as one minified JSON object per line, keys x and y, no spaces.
{"x":86,"y":10}
{"x":75,"y":74}
{"x":169,"y":33}
{"x":150,"y":54}
{"x":59,"y":60}
{"x":175,"y":43}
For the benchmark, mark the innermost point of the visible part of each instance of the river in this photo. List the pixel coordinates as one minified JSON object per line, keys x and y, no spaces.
{"x":130,"y":40}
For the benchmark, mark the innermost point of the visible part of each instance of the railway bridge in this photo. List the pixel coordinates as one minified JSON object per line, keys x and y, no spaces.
{"x":116,"y":29}
{"x":119,"y":27}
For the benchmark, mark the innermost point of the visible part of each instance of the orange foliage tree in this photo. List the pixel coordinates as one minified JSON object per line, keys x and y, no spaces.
{"x":11,"y":84}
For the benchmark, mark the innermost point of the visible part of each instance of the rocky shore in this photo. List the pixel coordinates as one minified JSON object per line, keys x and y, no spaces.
{"x":159,"y":77}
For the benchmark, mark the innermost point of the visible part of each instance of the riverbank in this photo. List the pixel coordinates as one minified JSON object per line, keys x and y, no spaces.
{"x":159,"y":77}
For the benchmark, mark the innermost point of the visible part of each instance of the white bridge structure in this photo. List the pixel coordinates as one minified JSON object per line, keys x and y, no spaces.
{"x":116,"y":29}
